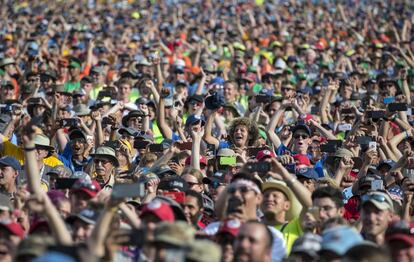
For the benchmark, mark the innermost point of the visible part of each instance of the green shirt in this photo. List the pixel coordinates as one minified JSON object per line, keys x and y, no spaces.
{"x":291,"y":231}
{"x":71,"y":86}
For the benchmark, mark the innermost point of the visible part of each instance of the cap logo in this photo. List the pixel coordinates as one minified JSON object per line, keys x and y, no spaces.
{"x":87,"y":213}
{"x":267,"y":152}
{"x":153,"y":205}
{"x":233,"y":224}
{"x":177,"y":184}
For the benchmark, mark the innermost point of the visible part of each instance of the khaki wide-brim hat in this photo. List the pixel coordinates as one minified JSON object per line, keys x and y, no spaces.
{"x":106,"y":151}
{"x":43,"y":141}
{"x":295,"y":206}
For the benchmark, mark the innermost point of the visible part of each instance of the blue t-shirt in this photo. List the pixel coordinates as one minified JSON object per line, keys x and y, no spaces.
{"x":73,"y":165}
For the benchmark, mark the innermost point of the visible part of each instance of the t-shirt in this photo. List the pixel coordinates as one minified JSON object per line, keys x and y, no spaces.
{"x":291,"y":231}
{"x":71,"y":86}
{"x":9,"y":149}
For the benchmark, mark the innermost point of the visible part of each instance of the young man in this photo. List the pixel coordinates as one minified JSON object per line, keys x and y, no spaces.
{"x":9,"y":171}
{"x":376,"y":213}
{"x":329,"y":202}
{"x":193,"y":208}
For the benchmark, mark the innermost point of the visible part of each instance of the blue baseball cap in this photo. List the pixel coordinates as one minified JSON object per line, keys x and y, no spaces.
{"x":10,"y":161}
{"x":340,"y":239}
{"x":388,"y":162}
{"x":192,"y":119}
{"x":307,"y":173}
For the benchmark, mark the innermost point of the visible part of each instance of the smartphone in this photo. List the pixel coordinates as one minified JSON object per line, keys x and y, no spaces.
{"x":65,"y":183}
{"x":69,"y":122}
{"x":103,"y":94}
{"x":363,"y":140}
{"x":178,"y":197}
{"x":314,"y":110}
{"x":259,"y":167}
{"x":121,"y":191}
{"x":377,"y":184}
{"x":375,"y":114}
{"x":154,"y":148}
{"x":389,"y":100}
{"x":228,"y":160}
{"x":372,"y":145}
{"x":34,"y":100}
{"x":140,"y":144}
{"x":252,"y":151}
{"x":185,"y":146}
{"x":328,"y":148}
{"x":397,"y":107}
{"x":344,"y":127}
{"x":346,"y":111}
{"x":263,"y":99}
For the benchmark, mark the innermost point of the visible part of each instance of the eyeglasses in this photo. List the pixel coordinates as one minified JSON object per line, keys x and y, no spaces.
{"x":195,"y":103}
{"x":300,"y":136}
{"x":191,"y":184}
{"x":285,"y":89}
{"x":103,"y":161}
{"x":242,"y":189}
{"x":135,"y":119}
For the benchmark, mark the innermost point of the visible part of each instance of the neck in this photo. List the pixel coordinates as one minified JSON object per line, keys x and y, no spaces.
{"x":378,"y":239}
{"x":272,"y":219}
{"x":78,"y":157}
{"x":11,"y":188}
{"x":40,"y":164}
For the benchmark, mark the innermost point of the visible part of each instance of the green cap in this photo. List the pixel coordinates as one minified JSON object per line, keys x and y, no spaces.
{"x":302,"y":76}
{"x":263,"y":134}
{"x":74,"y":64}
{"x":300,"y":65}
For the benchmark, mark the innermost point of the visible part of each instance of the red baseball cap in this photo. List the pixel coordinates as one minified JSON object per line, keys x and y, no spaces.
{"x":229,"y":226}
{"x":14,"y":228}
{"x":302,"y":160}
{"x":402,"y":231}
{"x":203,"y":160}
{"x":265,"y":154}
{"x":91,"y":188}
{"x":160,"y":209}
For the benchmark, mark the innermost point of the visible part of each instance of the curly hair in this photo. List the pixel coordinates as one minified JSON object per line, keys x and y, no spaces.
{"x":252,"y":129}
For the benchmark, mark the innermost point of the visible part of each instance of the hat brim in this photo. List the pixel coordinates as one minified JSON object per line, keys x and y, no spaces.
{"x":113,"y":159}
{"x":295,"y":206}
{"x":71,"y":219}
{"x":379,"y":205}
{"x":401,"y":237}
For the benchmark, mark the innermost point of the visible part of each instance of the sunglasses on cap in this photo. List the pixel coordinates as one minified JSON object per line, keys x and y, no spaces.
{"x":216,"y":184}
{"x":374,"y":196}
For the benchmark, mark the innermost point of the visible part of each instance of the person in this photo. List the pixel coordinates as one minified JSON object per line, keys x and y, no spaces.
{"x":105,"y":162}
{"x":253,"y":243}
{"x":400,"y":240}
{"x":10,"y":169}
{"x":376,"y":213}
{"x":193,"y":208}
{"x":225,"y":238}
{"x":328,"y":201}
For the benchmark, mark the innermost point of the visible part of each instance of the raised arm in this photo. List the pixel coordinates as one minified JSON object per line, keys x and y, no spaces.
{"x":271,"y":127}
{"x":197,"y":136}
{"x":208,"y":136}
{"x":162,"y":124}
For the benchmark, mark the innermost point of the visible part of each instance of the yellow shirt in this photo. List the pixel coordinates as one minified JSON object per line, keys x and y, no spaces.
{"x":291,"y":232}
{"x":9,"y":149}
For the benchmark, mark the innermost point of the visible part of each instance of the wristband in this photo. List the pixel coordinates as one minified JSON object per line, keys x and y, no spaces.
{"x":29,"y":148}
{"x":406,"y":134}
{"x":291,"y":181}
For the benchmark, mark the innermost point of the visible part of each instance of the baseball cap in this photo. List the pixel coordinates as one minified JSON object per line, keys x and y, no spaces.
{"x":339,"y":239}
{"x":160,"y":209}
{"x":192,"y":119}
{"x":301,"y":127}
{"x":173,"y":183}
{"x":388,"y":162}
{"x":226,"y":152}
{"x":127,"y":131}
{"x":379,"y":199}
{"x":10,"y":161}
{"x":231,"y":227}
{"x":308,"y":243}
{"x":77,"y":133}
{"x":302,"y":160}
{"x":13,"y":228}
{"x":89,"y":187}
{"x":87,"y":215}
{"x":265,"y":154}
{"x":400,"y":231}
{"x":203,"y":160}
{"x":217,"y":176}
{"x":307,"y":173}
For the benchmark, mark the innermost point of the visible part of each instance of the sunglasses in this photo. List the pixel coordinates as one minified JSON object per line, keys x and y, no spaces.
{"x":191,"y":184}
{"x":300,"y":136}
{"x":216,"y":184}
{"x":286,"y":89}
{"x":195,"y":103}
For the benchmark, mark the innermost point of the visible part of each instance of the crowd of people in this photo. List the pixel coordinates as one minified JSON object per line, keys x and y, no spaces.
{"x":207,"y":131}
